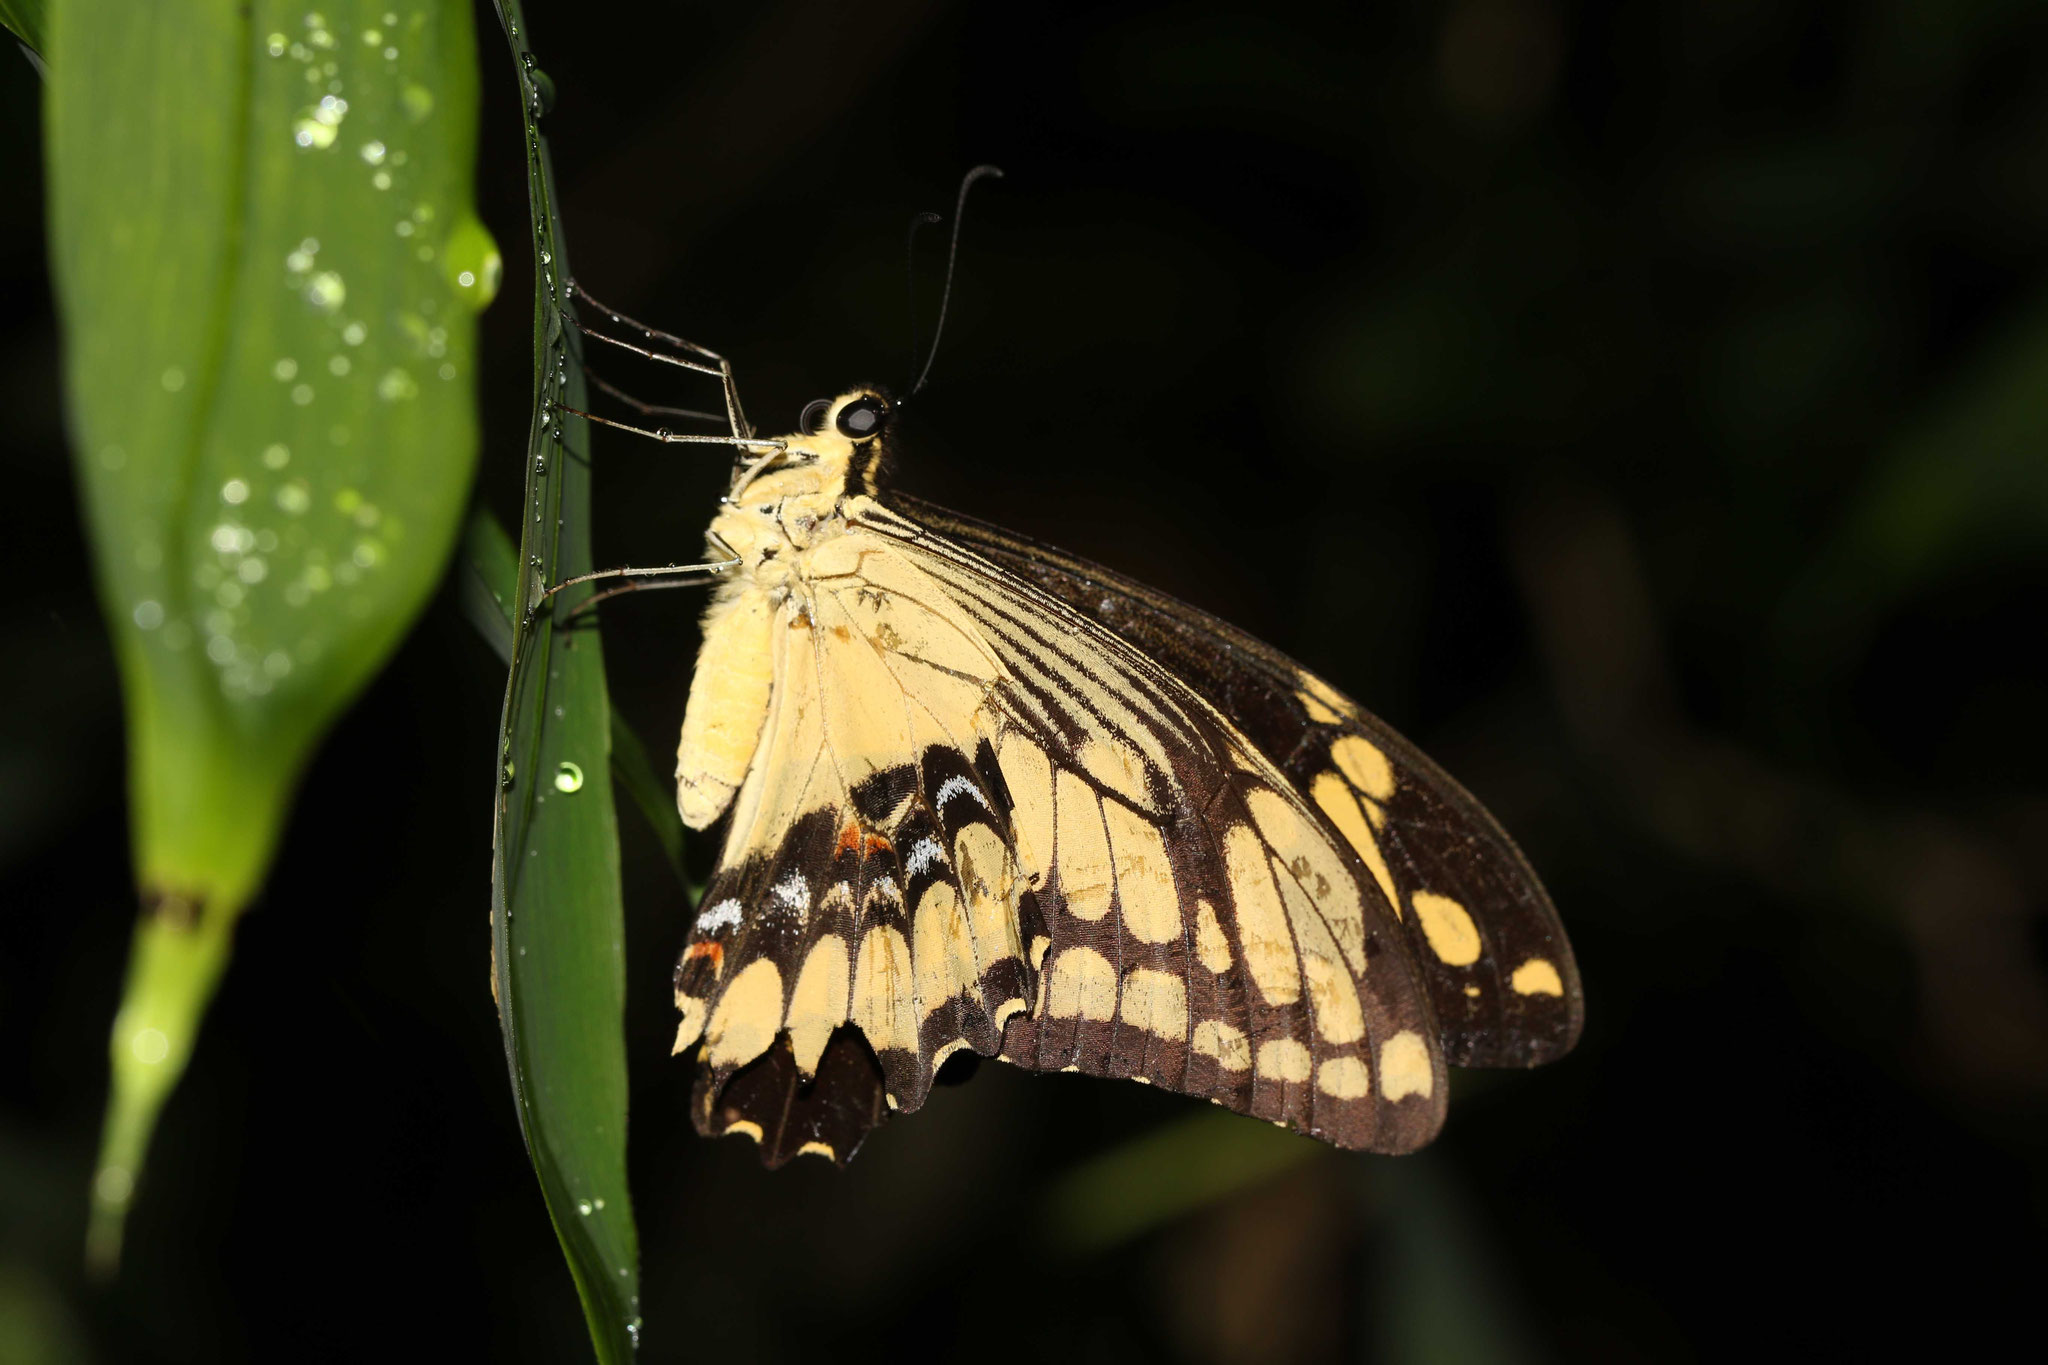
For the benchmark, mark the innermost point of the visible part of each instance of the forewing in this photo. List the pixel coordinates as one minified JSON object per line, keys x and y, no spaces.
{"x":1499,"y":970}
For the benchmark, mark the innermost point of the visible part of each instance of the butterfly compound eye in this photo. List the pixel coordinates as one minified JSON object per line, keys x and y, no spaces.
{"x":813,"y":419}
{"x":862,"y":418}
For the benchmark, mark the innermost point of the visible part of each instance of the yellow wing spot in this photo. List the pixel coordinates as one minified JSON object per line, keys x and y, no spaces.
{"x":818,"y":1003}
{"x":1283,"y":1059}
{"x":939,"y":1057}
{"x":1156,"y":1002}
{"x":1404,"y":1066}
{"x":1261,"y":924}
{"x":1231,"y":1049}
{"x":1313,"y":863}
{"x":941,"y":951}
{"x":1338,"y":1016}
{"x":1083,"y":986}
{"x":1537,"y":976}
{"x":1117,"y":766}
{"x":988,"y":877}
{"x":747,"y":1017}
{"x":823,"y":1149}
{"x":1332,"y":700}
{"x":1318,"y":710}
{"x":1144,"y":878}
{"x":1028,"y":774}
{"x":1452,"y":935}
{"x":1210,"y":945}
{"x":1333,"y":795}
{"x":882,"y":1005}
{"x":1472,"y":991}
{"x":1085,"y":874}
{"x":1361,"y":761}
{"x":1006,"y":1011}
{"x":1343,"y":1078}
{"x":744,"y":1127}
{"x":692,"y":1027}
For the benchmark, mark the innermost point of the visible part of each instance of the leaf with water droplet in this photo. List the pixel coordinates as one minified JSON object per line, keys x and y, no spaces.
{"x":216,"y":253}
{"x":557,"y":915}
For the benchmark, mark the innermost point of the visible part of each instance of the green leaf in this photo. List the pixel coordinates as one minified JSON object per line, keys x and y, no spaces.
{"x":27,"y":20}
{"x":557,"y":916}
{"x":267,"y":268}
{"x":490,"y":580}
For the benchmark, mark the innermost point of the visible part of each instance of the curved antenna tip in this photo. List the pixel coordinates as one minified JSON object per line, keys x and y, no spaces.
{"x":981,"y":172}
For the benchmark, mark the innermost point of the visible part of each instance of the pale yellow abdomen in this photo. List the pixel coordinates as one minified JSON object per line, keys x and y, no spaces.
{"x":728,"y":705}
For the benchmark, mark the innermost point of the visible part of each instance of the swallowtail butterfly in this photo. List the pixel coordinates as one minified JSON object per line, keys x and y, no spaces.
{"x":985,"y":796}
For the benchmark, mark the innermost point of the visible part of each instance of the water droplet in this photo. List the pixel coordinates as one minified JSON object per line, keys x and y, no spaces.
{"x":568,"y":777}
{"x":473,"y":262}
{"x":447,"y":371}
{"x":302,"y":394}
{"x":317,"y":126}
{"x":274,"y":44}
{"x":354,"y":333}
{"x":277,"y":663}
{"x":598,"y":1203}
{"x":505,"y":781}
{"x":221,"y":649}
{"x":542,"y":98}
{"x":325,"y":291}
{"x":373,"y":152}
{"x":337,"y":365}
{"x":148,"y":614}
{"x":397,"y":385}
{"x":227,"y":538}
{"x":234,"y":492}
{"x":404,"y":228}
{"x":368,"y":553}
{"x":381,"y":180}
{"x":286,"y":369}
{"x":417,"y":101}
{"x":113,"y":1185}
{"x":276,"y":456}
{"x":583,"y":1207}
{"x":173,"y":379}
{"x":251,"y":570}
{"x":294,"y":497}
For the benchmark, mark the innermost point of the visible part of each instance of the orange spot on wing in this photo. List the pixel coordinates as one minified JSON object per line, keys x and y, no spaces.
{"x":714,"y":951}
{"x":849,"y":839}
{"x":874,"y":844}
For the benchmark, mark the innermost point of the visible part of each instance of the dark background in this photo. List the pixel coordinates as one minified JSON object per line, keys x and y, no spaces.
{"x":1642,"y":406}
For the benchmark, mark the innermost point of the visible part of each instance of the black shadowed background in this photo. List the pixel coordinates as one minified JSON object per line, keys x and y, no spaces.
{"x":1644,"y":407}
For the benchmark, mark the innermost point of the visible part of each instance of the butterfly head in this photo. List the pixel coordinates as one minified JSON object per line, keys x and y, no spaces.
{"x":839,"y":451}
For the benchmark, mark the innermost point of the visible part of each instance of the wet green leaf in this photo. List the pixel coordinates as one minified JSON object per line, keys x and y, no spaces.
{"x":557,"y":917}
{"x":490,"y":580}
{"x":267,"y":269}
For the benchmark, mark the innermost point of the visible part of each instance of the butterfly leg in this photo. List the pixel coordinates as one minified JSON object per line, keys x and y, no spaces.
{"x":636,"y":580}
{"x":717,"y":364}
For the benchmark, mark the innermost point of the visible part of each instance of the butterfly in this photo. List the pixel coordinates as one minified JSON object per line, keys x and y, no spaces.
{"x":986,"y":796}
{"x":983,"y":796}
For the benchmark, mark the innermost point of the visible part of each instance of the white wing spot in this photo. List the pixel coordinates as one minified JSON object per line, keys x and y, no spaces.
{"x":794,"y":893}
{"x":724,"y":915}
{"x":953,"y":786}
{"x":923,"y":855}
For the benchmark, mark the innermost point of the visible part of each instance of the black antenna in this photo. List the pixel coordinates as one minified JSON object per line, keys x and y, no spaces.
{"x":952,"y":255}
{"x":910,"y":275}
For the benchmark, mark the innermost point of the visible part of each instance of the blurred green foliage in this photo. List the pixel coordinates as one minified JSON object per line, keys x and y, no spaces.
{"x":269,"y":268}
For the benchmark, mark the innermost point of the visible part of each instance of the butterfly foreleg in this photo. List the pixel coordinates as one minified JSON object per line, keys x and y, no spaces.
{"x":708,"y":361}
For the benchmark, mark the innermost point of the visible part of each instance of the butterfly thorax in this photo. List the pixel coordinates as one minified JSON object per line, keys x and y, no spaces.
{"x":779,"y":521}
